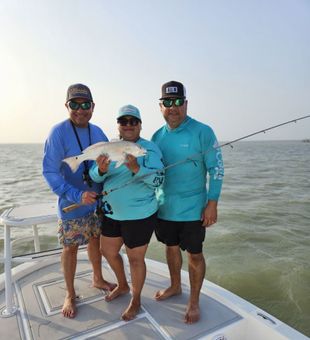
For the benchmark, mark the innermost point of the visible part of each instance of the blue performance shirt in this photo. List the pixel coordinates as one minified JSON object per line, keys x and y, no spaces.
{"x":68,"y":186}
{"x":184,"y":193}
{"x":136,"y":200}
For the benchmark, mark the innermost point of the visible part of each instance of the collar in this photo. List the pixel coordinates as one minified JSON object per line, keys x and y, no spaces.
{"x":181,"y":126}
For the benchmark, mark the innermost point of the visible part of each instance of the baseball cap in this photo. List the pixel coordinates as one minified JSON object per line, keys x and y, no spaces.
{"x":173,"y":89}
{"x":78,"y":91}
{"x":129,"y":110}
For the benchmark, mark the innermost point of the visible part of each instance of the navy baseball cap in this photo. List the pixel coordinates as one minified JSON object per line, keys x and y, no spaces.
{"x":173,"y":89}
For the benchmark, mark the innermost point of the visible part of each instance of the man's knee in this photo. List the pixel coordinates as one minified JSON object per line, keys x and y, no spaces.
{"x":70,"y":250}
{"x":195,"y":259}
{"x":173,"y":250}
{"x":93,"y":241}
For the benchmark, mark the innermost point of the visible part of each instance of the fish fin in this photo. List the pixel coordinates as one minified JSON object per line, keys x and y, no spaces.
{"x":121,"y":160}
{"x":73,"y":162}
{"x":94,"y":146}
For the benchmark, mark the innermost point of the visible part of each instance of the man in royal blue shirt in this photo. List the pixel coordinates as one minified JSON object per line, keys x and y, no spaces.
{"x":80,"y":226}
{"x":186,"y":205}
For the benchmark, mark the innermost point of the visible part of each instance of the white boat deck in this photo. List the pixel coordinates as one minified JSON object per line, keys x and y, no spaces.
{"x":32,"y":294}
{"x":39,"y":296}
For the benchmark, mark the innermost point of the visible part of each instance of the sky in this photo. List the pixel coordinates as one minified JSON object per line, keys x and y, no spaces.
{"x":245,"y":63}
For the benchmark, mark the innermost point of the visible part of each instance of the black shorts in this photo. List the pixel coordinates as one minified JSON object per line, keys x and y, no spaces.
{"x":135,"y":233}
{"x":189,"y":235}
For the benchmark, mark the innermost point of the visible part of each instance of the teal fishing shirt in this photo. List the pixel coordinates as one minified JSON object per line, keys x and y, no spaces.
{"x":184,"y":193}
{"x":137,"y":200}
{"x":67,"y":185}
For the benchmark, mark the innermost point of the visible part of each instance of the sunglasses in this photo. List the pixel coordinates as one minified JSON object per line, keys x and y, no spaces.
{"x":176,"y":102}
{"x":75,"y":106}
{"x":130,"y":121}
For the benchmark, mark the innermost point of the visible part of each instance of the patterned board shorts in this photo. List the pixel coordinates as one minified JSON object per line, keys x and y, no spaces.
{"x":78,"y":231}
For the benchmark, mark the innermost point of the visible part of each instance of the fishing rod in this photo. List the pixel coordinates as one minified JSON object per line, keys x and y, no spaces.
{"x":189,"y":158}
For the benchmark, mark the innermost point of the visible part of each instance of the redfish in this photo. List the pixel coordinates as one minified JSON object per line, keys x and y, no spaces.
{"x":115,"y":150}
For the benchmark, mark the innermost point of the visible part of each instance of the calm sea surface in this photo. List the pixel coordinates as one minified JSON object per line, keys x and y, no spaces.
{"x":260,"y":247}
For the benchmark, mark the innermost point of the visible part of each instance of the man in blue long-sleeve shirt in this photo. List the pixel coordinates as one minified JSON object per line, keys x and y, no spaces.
{"x":80,"y":226}
{"x":186,"y":205}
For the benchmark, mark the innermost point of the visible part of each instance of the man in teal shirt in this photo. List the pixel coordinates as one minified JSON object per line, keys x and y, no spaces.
{"x":187,"y":205}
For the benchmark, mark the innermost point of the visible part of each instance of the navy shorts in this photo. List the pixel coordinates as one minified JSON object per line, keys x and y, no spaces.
{"x":135,"y":233}
{"x":189,"y":235}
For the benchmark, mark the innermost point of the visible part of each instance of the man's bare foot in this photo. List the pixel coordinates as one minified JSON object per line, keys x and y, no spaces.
{"x":166,"y":293}
{"x":103,"y":284}
{"x":192,"y":314}
{"x":117,"y":291}
{"x":131,"y":311}
{"x":69,"y":308}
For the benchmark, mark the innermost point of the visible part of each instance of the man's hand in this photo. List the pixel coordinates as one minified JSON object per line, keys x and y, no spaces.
{"x":89,"y":197}
{"x":209,"y":215}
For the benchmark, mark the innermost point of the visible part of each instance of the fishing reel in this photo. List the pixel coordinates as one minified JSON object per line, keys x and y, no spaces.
{"x":103,"y":208}
{"x":106,"y":208}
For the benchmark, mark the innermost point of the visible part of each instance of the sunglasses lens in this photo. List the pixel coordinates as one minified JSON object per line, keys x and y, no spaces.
{"x":74,"y":105}
{"x":86,"y":105}
{"x":170,"y":102}
{"x":167,"y":102}
{"x":134,"y":121}
{"x":131,"y":121}
{"x":122,"y":122}
{"x":179,"y":102}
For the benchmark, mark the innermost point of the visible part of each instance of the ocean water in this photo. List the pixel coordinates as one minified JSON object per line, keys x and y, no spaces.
{"x":260,"y":247}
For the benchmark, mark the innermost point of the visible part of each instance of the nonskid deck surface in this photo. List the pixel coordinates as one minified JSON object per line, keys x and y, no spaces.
{"x":40,"y":294}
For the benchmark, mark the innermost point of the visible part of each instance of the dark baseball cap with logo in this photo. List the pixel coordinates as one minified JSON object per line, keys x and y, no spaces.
{"x":78,"y":91}
{"x":173,"y":89}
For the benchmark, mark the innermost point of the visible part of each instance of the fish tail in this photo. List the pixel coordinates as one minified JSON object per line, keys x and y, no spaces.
{"x":73,"y":162}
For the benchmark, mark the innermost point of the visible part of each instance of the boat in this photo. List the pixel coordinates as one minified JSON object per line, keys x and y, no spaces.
{"x":32,"y":293}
